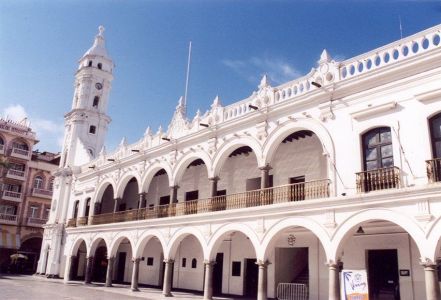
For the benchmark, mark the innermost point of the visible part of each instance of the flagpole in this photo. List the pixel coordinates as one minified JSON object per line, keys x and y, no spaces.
{"x":187,"y":77}
{"x":401,"y":27}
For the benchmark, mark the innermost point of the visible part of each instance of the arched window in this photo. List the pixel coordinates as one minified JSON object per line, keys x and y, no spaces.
{"x":38,"y":182}
{"x":435,"y":135}
{"x":194,"y":263}
{"x":377,"y":149}
{"x":86,"y":213}
{"x":18,"y":144}
{"x":96,"y":102}
{"x":100,"y":66}
{"x":92,"y":129}
{"x":76,"y":206}
{"x":90,"y":63}
{"x":2,"y":142}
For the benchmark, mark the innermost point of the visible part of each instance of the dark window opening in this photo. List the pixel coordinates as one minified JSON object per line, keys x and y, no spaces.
{"x":164,"y":200}
{"x":92,"y":129}
{"x":435,"y":134}
{"x":90,"y":63}
{"x":235,"y":270}
{"x":149,"y":261}
{"x":96,"y":101}
{"x":221,"y":193}
{"x":193,"y":195}
{"x":184,"y":262}
{"x":194,"y":263}
{"x":100,"y":66}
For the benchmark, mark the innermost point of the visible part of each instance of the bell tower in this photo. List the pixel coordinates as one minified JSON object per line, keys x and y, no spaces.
{"x":86,"y":124}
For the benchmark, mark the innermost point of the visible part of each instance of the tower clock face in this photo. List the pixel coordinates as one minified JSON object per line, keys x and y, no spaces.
{"x":98,"y":86}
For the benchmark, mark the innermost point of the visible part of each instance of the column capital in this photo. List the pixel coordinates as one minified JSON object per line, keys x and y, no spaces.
{"x":111,"y":257}
{"x":265,"y":168}
{"x":169,"y":261}
{"x":89,"y":258}
{"x":136,"y":259}
{"x":209,"y":262}
{"x":332,"y":263}
{"x":174,"y":186}
{"x":262,"y":263}
{"x":142,"y":194}
{"x":427,"y":262}
{"x":215,"y":178}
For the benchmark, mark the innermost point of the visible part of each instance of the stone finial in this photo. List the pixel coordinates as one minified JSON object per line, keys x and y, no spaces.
{"x":159,"y":130}
{"x":123,"y":142}
{"x":180,"y":102}
{"x":324,"y":57}
{"x":198,"y":115}
{"x":103,"y":151}
{"x":264,"y":82}
{"x":101,"y":30}
{"x":148,"y":131}
{"x":216,"y":102}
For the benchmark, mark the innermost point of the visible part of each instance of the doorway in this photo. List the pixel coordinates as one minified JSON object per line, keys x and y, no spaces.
{"x":251,"y":273}
{"x":121,"y":267}
{"x":383,"y":275}
{"x":217,"y":274}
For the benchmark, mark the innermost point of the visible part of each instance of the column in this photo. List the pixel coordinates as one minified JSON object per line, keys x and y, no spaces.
{"x":264,"y":177}
{"x":135,"y":275}
{"x":174,"y":194}
{"x":213,"y":186}
{"x":93,"y":212}
{"x":334,"y":281}
{"x":115,"y":206}
{"x":208,"y":284}
{"x":109,"y":271}
{"x":141,"y":201}
{"x":89,"y":270}
{"x":431,"y":279}
{"x":262,"y":280}
{"x":70,"y":274}
{"x":166,"y":292}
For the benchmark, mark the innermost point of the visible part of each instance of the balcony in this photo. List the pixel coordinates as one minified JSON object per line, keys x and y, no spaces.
{"x":16,"y":174}
{"x":36,"y":221}
{"x":71,"y":222}
{"x":380,"y":179}
{"x":11,"y":196}
{"x":2,"y":149}
{"x":42,"y":193}
{"x":433,"y":167}
{"x":280,"y":194}
{"x":20,"y":153}
{"x":8,"y":219}
{"x":81,"y":221}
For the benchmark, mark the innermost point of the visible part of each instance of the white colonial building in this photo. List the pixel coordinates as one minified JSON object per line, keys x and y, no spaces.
{"x":338,"y":169}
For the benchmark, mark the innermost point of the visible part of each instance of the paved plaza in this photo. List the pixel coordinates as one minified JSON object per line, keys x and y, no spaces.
{"x":23,"y":287}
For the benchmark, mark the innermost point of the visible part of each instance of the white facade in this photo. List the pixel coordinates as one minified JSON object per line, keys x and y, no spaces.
{"x":347,"y":157}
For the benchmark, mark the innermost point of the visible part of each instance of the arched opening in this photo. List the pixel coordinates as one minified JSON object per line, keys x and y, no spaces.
{"x":378,"y":162}
{"x":38,"y":182}
{"x":20,"y":145}
{"x":100,"y":66}
{"x":194,"y":185}
{"x":389,"y":255}
{"x":87,"y":208}
{"x":434,"y":165}
{"x":130,"y":196}
{"x":92,"y":130}
{"x":100,"y":262}
{"x":30,"y":248}
{"x":235,"y":271}
{"x":96,"y":102}
{"x":240,"y":174}
{"x":78,"y":263}
{"x":300,"y":168}
{"x":188,"y":275}
{"x":89,"y":64}
{"x":122,"y":268}
{"x":75,"y":209}
{"x":158,"y":192}
{"x":152,"y":266}
{"x":107,"y":202}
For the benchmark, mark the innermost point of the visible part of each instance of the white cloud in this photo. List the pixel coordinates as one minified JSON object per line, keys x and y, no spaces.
{"x":50,"y":133}
{"x":252,"y":69}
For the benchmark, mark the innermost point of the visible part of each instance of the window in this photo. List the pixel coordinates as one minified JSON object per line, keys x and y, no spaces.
{"x":33,"y":211}
{"x":194,"y":263}
{"x":92,"y":129}
{"x":38,"y":182}
{"x":435,"y":134}
{"x":51,"y":184}
{"x":96,"y":102}
{"x":46,"y":213}
{"x":8,"y":209}
{"x":100,"y":66}
{"x":12,"y":188}
{"x":90,"y":63}
{"x":235,"y":270}
{"x":75,"y":212}
{"x":184,"y":262}
{"x":149,"y":261}
{"x":20,"y":145}
{"x":377,"y":149}
{"x":16,"y":167}
{"x":193,"y":195}
{"x":1,"y":141}
{"x":86,"y":213}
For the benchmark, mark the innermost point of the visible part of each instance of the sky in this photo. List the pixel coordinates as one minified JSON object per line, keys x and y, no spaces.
{"x":234,"y":43}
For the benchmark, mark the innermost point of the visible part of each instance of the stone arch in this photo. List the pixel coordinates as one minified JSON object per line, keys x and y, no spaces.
{"x":151,"y":171}
{"x":216,"y":238}
{"x":345,"y":229}
{"x":31,"y":236}
{"x":232,"y":144}
{"x":178,"y":236}
{"x":23,"y":141}
{"x":102,"y":188}
{"x":122,"y":184}
{"x":116,"y":241}
{"x":76,"y":245}
{"x":183,"y":163}
{"x":305,"y":222}
{"x":146,"y":237}
{"x":434,"y":240}
{"x":94,"y":245}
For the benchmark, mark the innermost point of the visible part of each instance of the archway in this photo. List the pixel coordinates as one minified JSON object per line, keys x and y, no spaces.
{"x":130,"y":197}
{"x":121,"y":254}
{"x":158,"y":191}
{"x":107,"y":201}
{"x":152,"y":266}
{"x":31,"y":248}
{"x":78,"y":261}
{"x":99,"y":253}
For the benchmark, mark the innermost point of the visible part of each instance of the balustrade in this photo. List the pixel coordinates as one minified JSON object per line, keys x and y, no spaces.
{"x":36,"y":221}
{"x":71,"y":222}
{"x":433,"y":167}
{"x":380,"y":179}
{"x":267,"y":196}
{"x":8,"y":217}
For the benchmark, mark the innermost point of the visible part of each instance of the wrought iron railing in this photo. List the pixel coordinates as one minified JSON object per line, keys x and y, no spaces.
{"x":36,"y":221}
{"x":41,"y":192}
{"x":380,"y":179}
{"x":8,"y":217}
{"x":433,"y":167}
{"x":286,"y":193}
{"x":71,"y":222}
{"x":81,"y":221}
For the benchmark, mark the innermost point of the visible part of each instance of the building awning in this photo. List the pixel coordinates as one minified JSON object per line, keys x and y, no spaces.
{"x":9,"y":240}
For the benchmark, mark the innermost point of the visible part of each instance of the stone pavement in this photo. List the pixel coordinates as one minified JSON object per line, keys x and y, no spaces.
{"x":26,"y":287}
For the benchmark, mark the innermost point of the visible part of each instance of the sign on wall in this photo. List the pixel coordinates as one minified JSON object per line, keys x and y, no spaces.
{"x":354,"y":285}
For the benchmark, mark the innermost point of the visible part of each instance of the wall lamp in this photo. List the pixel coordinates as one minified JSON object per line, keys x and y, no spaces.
{"x":316,"y":84}
{"x":135,"y":150}
{"x":253,"y":107}
{"x":204,"y":125}
{"x":92,"y":167}
{"x":110,"y":159}
{"x":166,"y":139}
{"x":360,"y":230}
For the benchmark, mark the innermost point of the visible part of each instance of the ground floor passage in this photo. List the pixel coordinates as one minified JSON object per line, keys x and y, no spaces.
{"x":296,"y":266}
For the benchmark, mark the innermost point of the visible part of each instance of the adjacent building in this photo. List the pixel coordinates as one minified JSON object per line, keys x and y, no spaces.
{"x":25,"y":196}
{"x":271,"y":195}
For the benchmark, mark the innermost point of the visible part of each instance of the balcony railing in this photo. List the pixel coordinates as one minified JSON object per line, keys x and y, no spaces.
{"x":36,"y":221}
{"x":81,"y":221}
{"x":380,"y":179}
{"x":12,"y":196}
{"x":42,"y":193}
{"x":10,"y":219}
{"x":279,"y":194}
{"x":20,"y":153}
{"x":16,"y":174}
{"x":433,"y":167}
{"x":71,"y":222}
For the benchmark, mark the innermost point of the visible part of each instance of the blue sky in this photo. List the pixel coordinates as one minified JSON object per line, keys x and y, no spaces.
{"x":234,"y":44}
